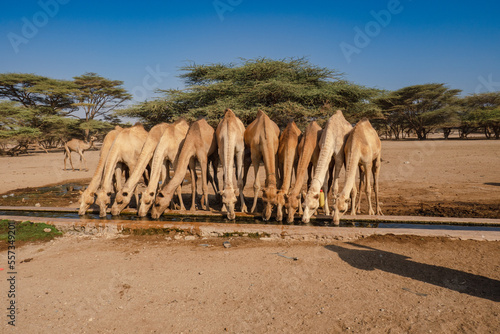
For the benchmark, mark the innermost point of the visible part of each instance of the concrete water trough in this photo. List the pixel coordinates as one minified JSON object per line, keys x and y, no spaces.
{"x":214,"y":224}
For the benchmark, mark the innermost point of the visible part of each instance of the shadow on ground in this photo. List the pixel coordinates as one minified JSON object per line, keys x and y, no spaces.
{"x":368,"y":258}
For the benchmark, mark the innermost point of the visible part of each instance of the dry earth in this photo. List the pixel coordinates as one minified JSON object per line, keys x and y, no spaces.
{"x":152,"y":285}
{"x":380,"y":285}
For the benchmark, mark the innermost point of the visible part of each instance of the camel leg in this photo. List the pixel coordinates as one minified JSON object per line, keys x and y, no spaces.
{"x":256,"y":183}
{"x":192,"y":169}
{"x":179,"y":193}
{"x":71,"y":161}
{"x":204,"y":182}
{"x":82,"y":159}
{"x":214,"y":161}
{"x":357,"y":208}
{"x":65,"y":158}
{"x":376,"y":172}
{"x":310,"y":175}
{"x":247,"y":162}
{"x":118,"y":176}
{"x":239,"y":180}
{"x":368,"y":188}
{"x":354,"y":193}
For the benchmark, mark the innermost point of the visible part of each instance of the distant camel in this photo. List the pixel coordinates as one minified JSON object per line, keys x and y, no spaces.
{"x":79,"y":146}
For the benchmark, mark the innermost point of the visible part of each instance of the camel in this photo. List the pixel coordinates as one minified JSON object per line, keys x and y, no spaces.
{"x":287,"y":162}
{"x":230,"y":141}
{"x":126,"y":150}
{"x":123,"y":197}
{"x":363,"y":149}
{"x":88,"y":196}
{"x":308,"y":152}
{"x":262,"y":140}
{"x":166,"y":153}
{"x":79,"y":146}
{"x":200,"y":144}
{"x":331,"y":148}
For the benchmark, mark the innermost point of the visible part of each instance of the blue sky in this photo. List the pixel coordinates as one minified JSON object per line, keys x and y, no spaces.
{"x":145,"y":43}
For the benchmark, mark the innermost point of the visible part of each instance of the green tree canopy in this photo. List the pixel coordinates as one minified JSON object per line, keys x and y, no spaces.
{"x":286,"y":89}
{"x":482,"y":110}
{"x":98,"y":96}
{"x":46,"y":95}
{"x":421,"y":108}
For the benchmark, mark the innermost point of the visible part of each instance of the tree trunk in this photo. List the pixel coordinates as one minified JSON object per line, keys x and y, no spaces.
{"x":446,"y":132}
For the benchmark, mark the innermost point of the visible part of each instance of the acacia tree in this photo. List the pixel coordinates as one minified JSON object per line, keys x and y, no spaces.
{"x":98,"y":96}
{"x":286,"y":89}
{"x":45,"y":101}
{"x":48,"y":96}
{"x":421,"y":108}
{"x":14,"y":127}
{"x":482,"y":110}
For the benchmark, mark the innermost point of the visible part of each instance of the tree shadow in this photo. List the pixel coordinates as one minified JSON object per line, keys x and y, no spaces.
{"x":368,"y":258}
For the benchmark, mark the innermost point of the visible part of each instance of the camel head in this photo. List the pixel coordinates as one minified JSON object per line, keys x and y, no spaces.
{"x":229,"y":199}
{"x":86,"y":201}
{"x":311,"y":204}
{"x":122,"y":199}
{"x":341,"y":203}
{"x":269,"y":195}
{"x":292,"y":204}
{"x":161,"y":203}
{"x":340,"y":207}
{"x":103,"y":200}
{"x":280,"y":203}
{"x":147,"y":200}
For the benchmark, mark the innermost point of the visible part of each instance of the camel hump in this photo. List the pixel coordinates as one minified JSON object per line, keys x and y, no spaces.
{"x":364,"y":122}
{"x":260,"y":113}
{"x":229,"y":113}
{"x":181,"y":121}
{"x":138,"y":125}
{"x":201,"y":126}
{"x":294,"y":127}
{"x":118,"y":128}
{"x":291,"y":128}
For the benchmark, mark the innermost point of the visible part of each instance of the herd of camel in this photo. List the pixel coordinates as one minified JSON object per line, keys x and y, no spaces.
{"x":317,"y":155}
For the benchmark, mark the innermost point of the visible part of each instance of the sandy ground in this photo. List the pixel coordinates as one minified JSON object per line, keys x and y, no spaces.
{"x":387,"y":284}
{"x":152,"y":285}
